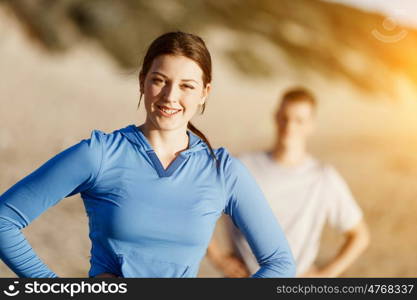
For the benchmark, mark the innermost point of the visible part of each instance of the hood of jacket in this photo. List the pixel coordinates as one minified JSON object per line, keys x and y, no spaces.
{"x":136,"y":136}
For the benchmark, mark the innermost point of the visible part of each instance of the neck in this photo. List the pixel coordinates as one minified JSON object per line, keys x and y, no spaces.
{"x":289,"y":155}
{"x":166,"y":142}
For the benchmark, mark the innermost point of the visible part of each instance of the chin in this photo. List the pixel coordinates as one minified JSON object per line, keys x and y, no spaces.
{"x":168,"y":124}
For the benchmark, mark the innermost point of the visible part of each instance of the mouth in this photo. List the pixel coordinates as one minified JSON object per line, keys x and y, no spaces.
{"x":167,"y":111}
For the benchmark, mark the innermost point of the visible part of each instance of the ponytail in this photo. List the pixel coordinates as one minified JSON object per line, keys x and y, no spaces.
{"x":203,"y":137}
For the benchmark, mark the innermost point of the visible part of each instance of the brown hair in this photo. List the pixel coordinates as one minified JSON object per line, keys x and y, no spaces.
{"x":183,"y":44}
{"x":298,"y":94}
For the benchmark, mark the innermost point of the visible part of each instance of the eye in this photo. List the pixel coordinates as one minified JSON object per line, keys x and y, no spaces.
{"x":157,"y":80}
{"x":187,"y":86}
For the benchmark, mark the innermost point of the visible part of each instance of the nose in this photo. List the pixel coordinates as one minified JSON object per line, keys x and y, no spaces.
{"x":171,"y":93}
{"x":291,"y":125}
{"x":287,"y":126}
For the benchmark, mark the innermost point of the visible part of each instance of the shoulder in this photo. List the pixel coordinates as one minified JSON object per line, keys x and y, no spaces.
{"x":226,"y":161}
{"x":333,"y":179}
{"x":329,"y":171}
{"x":96,"y":136}
{"x":231,"y":165}
{"x":89,"y":144}
{"x":101,"y":138}
{"x":222,"y":152}
{"x":100,"y":144}
{"x":320,"y":167}
{"x":224,"y":157}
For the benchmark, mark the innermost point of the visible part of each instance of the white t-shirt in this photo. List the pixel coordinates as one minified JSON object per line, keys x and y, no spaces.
{"x":302,"y":198}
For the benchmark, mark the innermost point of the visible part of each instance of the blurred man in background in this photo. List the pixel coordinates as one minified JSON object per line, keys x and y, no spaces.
{"x":303,"y":193}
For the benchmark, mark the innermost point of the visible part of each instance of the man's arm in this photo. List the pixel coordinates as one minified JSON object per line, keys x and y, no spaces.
{"x":357,"y":240}
{"x":251,"y":214}
{"x":229,"y":264}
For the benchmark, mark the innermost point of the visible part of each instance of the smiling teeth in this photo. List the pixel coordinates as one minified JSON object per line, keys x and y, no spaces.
{"x":169,"y":111}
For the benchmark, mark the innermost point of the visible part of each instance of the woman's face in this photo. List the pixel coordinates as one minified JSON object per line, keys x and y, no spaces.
{"x":173,"y":90}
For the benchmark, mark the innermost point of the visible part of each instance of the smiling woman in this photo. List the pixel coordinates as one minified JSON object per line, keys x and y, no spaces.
{"x":153,"y":193}
{"x":176,"y":68}
{"x":173,"y":91}
{"x":167,"y":92}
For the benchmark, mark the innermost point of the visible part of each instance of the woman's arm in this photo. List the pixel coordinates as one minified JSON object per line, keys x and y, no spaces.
{"x":229,"y":264}
{"x":251,"y":213}
{"x":69,"y":172}
{"x":357,"y":239}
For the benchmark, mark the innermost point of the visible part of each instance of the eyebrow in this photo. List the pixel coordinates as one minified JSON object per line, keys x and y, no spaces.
{"x":158,"y":73}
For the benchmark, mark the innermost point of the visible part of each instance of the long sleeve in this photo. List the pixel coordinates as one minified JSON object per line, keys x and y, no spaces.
{"x":252,"y":215}
{"x":69,"y":172}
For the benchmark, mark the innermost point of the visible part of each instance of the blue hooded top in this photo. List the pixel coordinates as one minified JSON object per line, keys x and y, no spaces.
{"x":144,"y":220}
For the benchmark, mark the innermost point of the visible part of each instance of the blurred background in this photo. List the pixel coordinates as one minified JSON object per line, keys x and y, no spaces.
{"x":70,"y":66}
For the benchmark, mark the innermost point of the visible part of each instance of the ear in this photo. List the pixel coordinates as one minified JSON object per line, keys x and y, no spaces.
{"x":206,"y":92}
{"x":277,"y":114}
